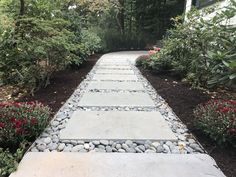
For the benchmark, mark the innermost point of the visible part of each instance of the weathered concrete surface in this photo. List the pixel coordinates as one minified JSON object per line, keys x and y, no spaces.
{"x":116,"y":99}
{"x":113,"y":71}
{"x":115,"y":67}
{"x":111,"y":85}
{"x":113,"y":64}
{"x":117,"y":125}
{"x":116,"y":165}
{"x":130,"y":56}
{"x":115,"y":77}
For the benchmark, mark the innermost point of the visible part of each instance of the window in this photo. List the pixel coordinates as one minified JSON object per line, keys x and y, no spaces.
{"x":203,"y":3}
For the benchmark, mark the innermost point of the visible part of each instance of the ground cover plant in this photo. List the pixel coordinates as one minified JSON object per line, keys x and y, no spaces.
{"x":20,"y":124}
{"x":217,"y":118}
{"x":201,"y":51}
{"x":22,"y":121}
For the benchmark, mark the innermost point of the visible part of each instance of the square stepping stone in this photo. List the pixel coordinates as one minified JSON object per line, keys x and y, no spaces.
{"x":111,"y":85}
{"x":113,"y":71}
{"x":116,"y":99}
{"x":117,"y":125}
{"x":115,"y":77}
{"x":116,"y":165}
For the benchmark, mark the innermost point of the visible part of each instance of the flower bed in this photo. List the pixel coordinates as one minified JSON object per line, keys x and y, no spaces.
{"x":217,"y":119}
{"x":21,"y":121}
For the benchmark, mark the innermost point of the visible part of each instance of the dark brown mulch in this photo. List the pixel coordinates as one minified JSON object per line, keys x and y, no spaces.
{"x":183,"y":99}
{"x":62,"y":85}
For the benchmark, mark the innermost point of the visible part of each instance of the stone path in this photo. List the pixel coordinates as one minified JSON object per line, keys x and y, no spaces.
{"x":116,"y":111}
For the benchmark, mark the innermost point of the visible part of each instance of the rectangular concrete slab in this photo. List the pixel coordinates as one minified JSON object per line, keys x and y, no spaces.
{"x":114,"y":64}
{"x":116,"y":165}
{"x":116,"y":99}
{"x":113,"y":61}
{"x":115,"y":77}
{"x":117,"y":125}
{"x":111,"y":85}
{"x":113,"y":71}
{"x":115,"y":67}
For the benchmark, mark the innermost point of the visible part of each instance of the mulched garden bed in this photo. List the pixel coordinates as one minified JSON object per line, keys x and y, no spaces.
{"x":62,"y":85}
{"x":183,"y":99}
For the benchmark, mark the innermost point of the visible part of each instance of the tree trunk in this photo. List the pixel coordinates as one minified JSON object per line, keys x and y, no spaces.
{"x":121,"y":16}
{"x":22,"y":7}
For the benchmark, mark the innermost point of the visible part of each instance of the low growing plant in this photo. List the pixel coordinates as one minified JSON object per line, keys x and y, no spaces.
{"x":142,"y":60}
{"x":217,"y":119}
{"x":9,"y":161}
{"x":22,"y":121}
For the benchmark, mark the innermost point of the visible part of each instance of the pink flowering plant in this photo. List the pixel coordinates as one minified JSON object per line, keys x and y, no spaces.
{"x":22,"y":121}
{"x":217,"y":119}
{"x":154,"y":51}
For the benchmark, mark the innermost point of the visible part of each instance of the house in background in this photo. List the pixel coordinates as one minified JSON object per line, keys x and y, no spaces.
{"x":201,"y":4}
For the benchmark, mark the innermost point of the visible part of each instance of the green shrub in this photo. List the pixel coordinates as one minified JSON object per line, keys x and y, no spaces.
{"x":200,"y":50}
{"x":217,"y":119}
{"x":9,"y":161}
{"x":142,"y":60}
{"x":21,"y":121}
{"x":35,"y":49}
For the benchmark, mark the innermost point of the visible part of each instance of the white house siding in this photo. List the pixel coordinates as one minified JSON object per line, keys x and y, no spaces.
{"x":219,"y":7}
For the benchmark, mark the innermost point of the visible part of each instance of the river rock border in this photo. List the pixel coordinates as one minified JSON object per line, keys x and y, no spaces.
{"x":49,"y":140}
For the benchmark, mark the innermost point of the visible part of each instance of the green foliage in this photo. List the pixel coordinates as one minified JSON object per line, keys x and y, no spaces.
{"x":9,"y":161}
{"x":217,"y":119}
{"x":35,"y":49}
{"x":200,"y":50}
{"x":143,"y":60}
{"x":48,"y":37}
{"x":134,"y":24}
{"x":21,"y":121}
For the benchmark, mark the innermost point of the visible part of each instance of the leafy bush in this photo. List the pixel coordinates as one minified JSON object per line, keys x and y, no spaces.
{"x":217,"y":118}
{"x":142,"y":60}
{"x":91,"y":41}
{"x":22,"y":121}
{"x":201,"y":50}
{"x":36,"y":48}
{"x":9,"y":161}
{"x":45,"y":38}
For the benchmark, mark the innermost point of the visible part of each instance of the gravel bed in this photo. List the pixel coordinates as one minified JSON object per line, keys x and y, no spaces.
{"x":49,"y":140}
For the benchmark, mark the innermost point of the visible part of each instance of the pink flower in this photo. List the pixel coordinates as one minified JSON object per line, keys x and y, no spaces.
{"x":157,"y":49}
{"x":152,"y":52}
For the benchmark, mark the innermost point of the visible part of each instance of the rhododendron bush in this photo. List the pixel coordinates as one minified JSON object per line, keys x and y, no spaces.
{"x":217,"y":118}
{"x":200,"y":50}
{"x":22,"y":121}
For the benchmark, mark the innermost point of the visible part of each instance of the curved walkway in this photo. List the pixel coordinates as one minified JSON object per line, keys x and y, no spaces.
{"x":115,"y":124}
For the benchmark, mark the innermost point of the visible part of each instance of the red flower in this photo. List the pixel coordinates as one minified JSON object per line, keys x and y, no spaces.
{"x":19,"y":131}
{"x":224,"y":110}
{"x":2,"y":125}
{"x":24,"y":121}
{"x":18,"y":124}
{"x":232,"y":131}
{"x":13,"y":120}
{"x":233,"y":102}
{"x":34,"y":121}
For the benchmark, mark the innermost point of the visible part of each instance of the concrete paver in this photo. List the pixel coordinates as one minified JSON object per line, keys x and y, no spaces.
{"x":117,"y":125}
